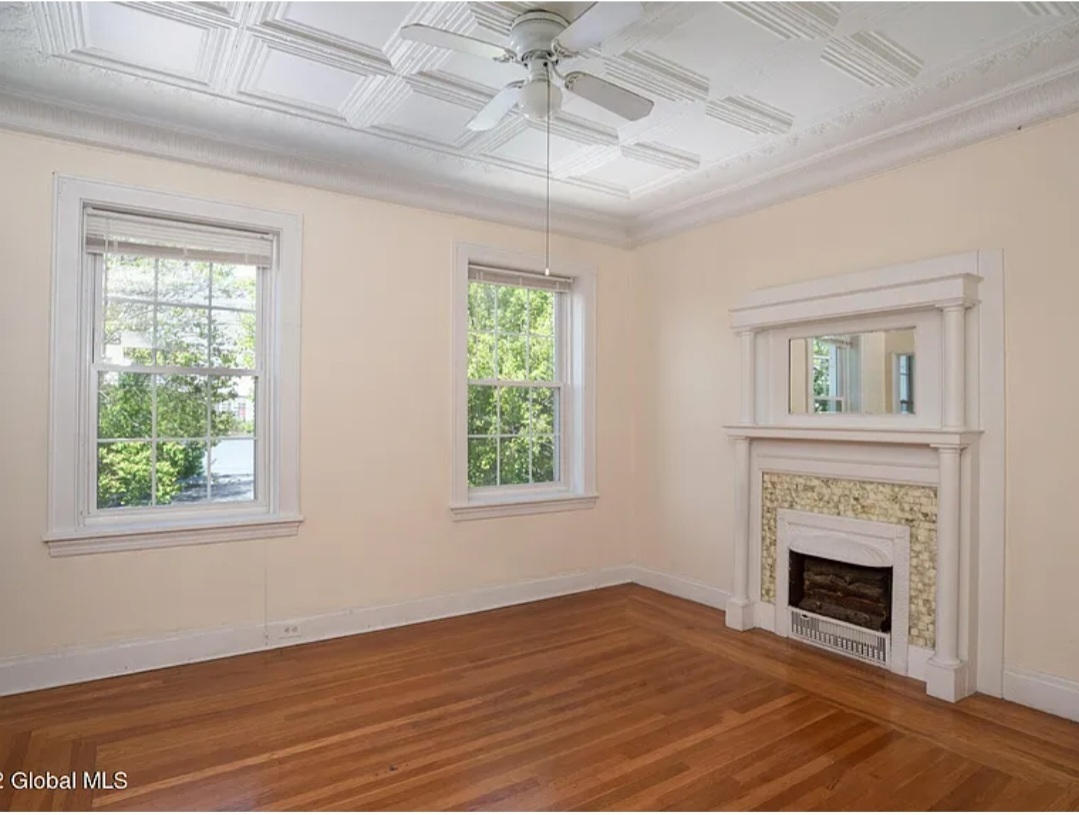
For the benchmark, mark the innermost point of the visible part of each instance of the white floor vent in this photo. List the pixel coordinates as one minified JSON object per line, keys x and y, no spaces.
{"x":842,"y":638}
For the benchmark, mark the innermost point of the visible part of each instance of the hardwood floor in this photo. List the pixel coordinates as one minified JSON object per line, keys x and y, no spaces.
{"x":621,"y":698}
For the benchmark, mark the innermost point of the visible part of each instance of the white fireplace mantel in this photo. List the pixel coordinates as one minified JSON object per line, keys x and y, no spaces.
{"x":956,"y":302}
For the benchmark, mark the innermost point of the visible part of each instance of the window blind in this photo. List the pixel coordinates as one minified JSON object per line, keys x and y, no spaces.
{"x":124,"y":233}
{"x":514,"y":277}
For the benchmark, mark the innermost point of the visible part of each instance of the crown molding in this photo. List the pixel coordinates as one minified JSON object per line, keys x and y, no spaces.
{"x":995,"y":115}
{"x":28,"y":115}
{"x":1029,"y":103}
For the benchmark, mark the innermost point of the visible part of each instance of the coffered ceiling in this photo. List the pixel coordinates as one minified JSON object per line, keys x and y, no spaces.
{"x":754,"y":102}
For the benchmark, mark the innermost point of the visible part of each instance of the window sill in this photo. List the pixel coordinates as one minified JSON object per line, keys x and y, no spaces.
{"x":495,"y":507}
{"x":130,"y":538}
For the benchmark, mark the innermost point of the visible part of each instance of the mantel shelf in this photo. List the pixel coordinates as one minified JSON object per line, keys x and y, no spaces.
{"x":930,"y":437}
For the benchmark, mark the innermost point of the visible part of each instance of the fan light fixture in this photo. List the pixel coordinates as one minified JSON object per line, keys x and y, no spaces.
{"x":540,"y":40}
{"x":533,"y":99}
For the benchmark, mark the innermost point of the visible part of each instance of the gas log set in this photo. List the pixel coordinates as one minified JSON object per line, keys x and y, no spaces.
{"x":859,"y":595}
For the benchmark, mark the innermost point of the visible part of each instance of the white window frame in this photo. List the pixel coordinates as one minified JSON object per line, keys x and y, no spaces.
{"x":73,"y":527}
{"x":576,"y":488}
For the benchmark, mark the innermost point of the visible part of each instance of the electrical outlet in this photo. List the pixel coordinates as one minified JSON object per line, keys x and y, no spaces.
{"x":291,"y":632}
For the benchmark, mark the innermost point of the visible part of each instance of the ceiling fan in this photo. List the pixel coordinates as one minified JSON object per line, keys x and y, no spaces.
{"x":539,"y":40}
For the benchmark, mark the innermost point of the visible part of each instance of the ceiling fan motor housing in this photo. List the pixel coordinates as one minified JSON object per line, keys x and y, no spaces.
{"x":533,"y":32}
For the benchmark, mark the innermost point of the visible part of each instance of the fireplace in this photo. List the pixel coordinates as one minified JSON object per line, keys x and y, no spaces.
{"x":843,"y":584}
{"x":850,"y":593}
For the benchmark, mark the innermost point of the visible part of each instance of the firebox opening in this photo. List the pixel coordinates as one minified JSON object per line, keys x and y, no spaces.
{"x":859,"y":595}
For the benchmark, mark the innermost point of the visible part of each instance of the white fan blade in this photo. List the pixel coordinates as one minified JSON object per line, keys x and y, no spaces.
{"x":455,"y":42}
{"x":495,"y":110}
{"x":627,"y":104}
{"x":599,"y":22}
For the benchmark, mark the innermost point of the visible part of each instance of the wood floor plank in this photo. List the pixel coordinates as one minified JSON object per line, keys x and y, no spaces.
{"x":621,"y":698}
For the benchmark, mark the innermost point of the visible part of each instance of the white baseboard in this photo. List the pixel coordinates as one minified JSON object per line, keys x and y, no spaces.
{"x":679,"y":587}
{"x":17,"y":675}
{"x":1051,"y":694}
{"x":65,"y":667}
{"x":360,"y":620}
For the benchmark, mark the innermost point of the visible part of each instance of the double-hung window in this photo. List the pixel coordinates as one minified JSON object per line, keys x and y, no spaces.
{"x":174,"y":398}
{"x":523,"y":362}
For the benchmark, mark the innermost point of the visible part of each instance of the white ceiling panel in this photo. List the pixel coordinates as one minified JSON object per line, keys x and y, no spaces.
{"x":529,"y":147}
{"x":293,"y":78}
{"x":944,"y":33}
{"x":145,"y":39}
{"x":742,"y":91}
{"x":629,"y":174}
{"x":369,"y":24}
{"x":430,"y":118}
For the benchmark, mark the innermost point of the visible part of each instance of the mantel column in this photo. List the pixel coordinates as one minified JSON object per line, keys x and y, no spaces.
{"x":954,"y":373}
{"x":739,"y":608}
{"x":945,"y":673}
{"x":748,"y":411}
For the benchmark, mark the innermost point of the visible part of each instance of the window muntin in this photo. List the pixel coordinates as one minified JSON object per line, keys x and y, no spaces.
{"x":516,"y":384}
{"x":177,"y":380}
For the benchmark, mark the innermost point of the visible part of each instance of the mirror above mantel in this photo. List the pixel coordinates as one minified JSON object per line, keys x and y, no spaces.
{"x":866,"y":372}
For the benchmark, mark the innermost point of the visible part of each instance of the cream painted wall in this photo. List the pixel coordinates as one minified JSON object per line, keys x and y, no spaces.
{"x":1019,"y":193}
{"x":375,"y":427}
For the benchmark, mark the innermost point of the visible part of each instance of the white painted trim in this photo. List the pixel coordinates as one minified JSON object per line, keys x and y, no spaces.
{"x":578,"y":488}
{"x":69,"y":528}
{"x":525,"y":506}
{"x":20,"y":113}
{"x":986,"y":323}
{"x":915,"y":286}
{"x":884,"y":435}
{"x":680,"y":587}
{"x":1055,"y":93}
{"x":83,"y":664}
{"x":217,"y":531}
{"x":1051,"y":694}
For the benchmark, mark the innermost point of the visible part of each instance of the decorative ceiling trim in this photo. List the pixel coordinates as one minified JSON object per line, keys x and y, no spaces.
{"x":792,"y":21}
{"x":751,"y":115}
{"x":873,"y":59}
{"x":1048,"y":97}
{"x":995,"y":115}
{"x":28,"y":115}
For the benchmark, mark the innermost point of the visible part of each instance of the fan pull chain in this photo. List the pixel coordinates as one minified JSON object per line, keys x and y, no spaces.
{"x":547,"y":265}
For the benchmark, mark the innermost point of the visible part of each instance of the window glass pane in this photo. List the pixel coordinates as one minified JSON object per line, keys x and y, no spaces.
{"x":544,"y":403}
{"x":235,"y":286}
{"x":512,"y":357}
{"x":233,"y":339}
{"x":124,"y":406}
{"x":513,"y":410}
{"x":181,"y":336}
{"x":512,"y":310}
{"x":182,"y":406}
{"x":129,"y":276}
{"x":481,"y":356}
{"x":482,"y":410}
{"x":541,"y":312}
{"x":124,"y":474}
{"x":181,"y":472}
{"x":541,"y":358}
{"x":481,"y":306}
{"x":513,"y":460}
{"x":233,"y":400}
{"x":482,"y":462}
{"x":183,"y":281}
{"x":232,"y":467}
{"x":544,"y":459}
{"x":129,"y":333}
